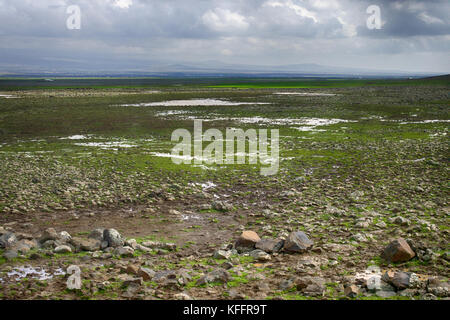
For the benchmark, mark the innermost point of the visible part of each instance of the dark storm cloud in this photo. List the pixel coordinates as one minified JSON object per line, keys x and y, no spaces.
{"x":244,"y":31}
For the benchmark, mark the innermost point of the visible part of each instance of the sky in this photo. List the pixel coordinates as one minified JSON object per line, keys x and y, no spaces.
{"x":130,"y":35}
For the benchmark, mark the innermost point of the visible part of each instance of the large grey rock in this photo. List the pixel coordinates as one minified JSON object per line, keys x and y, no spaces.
{"x":97,"y":234}
{"x":298,"y":242}
{"x":400,"y":280}
{"x":113,"y":237}
{"x":48,"y":234}
{"x":270,"y":245}
{"x":7,"y":240}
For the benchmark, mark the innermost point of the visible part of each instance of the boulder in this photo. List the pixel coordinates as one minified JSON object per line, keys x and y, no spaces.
{"x":49,"y":234}
{"x":298,"y":242}
{"x":400,"y":280}
{"x":7,"y":240}
{"x":270,"y":245}
{"x":113,"y":237}
{"x":398,"y":251}
{"x":85,"y":244}
{"x":247,"y":240}
{"x":97,"y":234}
{"x":438,"y":286}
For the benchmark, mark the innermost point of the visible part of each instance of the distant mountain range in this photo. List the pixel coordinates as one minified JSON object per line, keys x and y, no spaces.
{"x":207,"y":68}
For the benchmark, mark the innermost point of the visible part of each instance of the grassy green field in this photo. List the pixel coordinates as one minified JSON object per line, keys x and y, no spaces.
{"x":62,"y":83}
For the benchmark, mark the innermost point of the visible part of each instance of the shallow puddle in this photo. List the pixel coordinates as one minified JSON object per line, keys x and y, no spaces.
{"x":308,"y":94}
{"x":28,"y":272}
{"x":8,"y":96}
{"x":107,"y":145}
{"x":190,"y":103}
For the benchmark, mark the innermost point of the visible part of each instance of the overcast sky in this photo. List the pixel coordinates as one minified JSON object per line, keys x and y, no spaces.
{"x":136,"y":34}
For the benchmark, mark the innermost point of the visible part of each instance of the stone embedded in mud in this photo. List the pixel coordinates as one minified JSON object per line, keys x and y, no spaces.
{"x":124,"y":251}
{"x":131,"y":243}
{"x":164,"y":276}
{"x":24,"y":246}
{"x":218,"y":275}
{"x":385,"y":294}
{"x":159,"y":245}
{"x":222,"y":254}
{"x":48,"y":234}
{"x":7,"y":240}
{"x":351,"y":291}
{"x":132,"y":269}
{"x":248,"y":240}
{"x":182,"y":296}
{"x":313,"y":286}
{"x":398,"y":251}
{"x":113,"y":237}
{"x":10,"y":254}
{"x":146,"y":273}
{"x":85,"y":244}
{"x":297,"y":242}
{"x":439,"y":286}
{"x":260,"y":255}
{"x":128,"y":280}
{"x":270,"y":245}
{"x":222,"y":206}
{"x":400,"y":280}
{"x":62,"y":249}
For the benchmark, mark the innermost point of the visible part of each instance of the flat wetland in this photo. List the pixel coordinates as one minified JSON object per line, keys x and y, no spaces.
{"x":355,"y":155}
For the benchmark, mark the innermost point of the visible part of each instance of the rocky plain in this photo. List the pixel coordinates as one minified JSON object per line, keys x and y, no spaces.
{"x":90,"y":209}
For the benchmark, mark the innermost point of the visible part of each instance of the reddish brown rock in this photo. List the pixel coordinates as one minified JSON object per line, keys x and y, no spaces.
{"x":398,"y":251}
